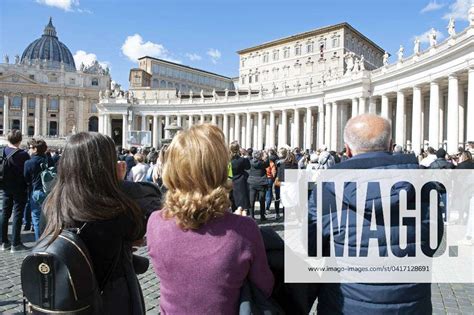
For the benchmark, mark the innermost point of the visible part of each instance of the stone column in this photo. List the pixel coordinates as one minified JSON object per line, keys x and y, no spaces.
{"x":24,"y":116}
{"x":470,"y":106}
{"x":44,"y":119}
{"x":101,"y":122}
{"x":284,"y":128}
{"x":433,"y":136}
{"x":160,"y":128}
{"x":214,"y":119}
{"x":37,"y":116}
{"x":179,"y":120}
{"x":190,"y":121}
{"x":248,"y":130}
{"x":260,"y":131}
{"x":453,"y":114}
{"x":167,"y":123}
{"x":237,"y":129}
{"x":355,"y":107}
{"x":416,"y":136}
{"x":320,"y":125}
{"x":384,"y":107}
{"x":334,"y":126}
{"x":155,"y":131}
{"x":372,"y":105}
{"x":144,"y":124}
{"x":203,"y":118}
{"x":362,"y":102}
{"x":296,"y":121}
{"x":309,"y":128}
{"x":272,"y":128}
{"x":327,"y":125}
{"x":6,"y":119}
{"x":225,"y":126}
{"x":62,"y":117}
{"x":400,"y":120}
{"x":124,"y":129}
{"x":80,"y":115}
{"x":462,"y":113}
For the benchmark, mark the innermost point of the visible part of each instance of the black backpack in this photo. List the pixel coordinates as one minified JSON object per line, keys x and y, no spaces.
{"x":4,"y":164}
{"x":59,"y":278}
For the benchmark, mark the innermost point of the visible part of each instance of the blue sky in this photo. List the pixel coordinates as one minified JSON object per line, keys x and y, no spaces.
{"x":206,"y":34}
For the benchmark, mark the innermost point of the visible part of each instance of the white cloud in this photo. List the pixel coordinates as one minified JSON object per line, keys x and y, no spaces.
{"x":432,"y":6}
{"x":459,"y":10}
{"x":135,"y":47}
{"x":193,"y":56}
{"x":214,"y":54}
{"x":66,"y":5}
{"x":87,"y":59}
{"x":424,"y":39}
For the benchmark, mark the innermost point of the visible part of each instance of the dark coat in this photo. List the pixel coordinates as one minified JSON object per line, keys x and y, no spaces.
{"x":32,"y":171}
{"x":372,"y":298}
{"x":441,"y":163}
{"x":465,"y":165}
{"x":240,"y":189}
{"x":282,"y":166}
{"x":258,"y":174}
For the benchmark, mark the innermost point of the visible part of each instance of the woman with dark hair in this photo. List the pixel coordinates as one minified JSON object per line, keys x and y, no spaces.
{"x":87,"y":195}
{"x":240,"y":189}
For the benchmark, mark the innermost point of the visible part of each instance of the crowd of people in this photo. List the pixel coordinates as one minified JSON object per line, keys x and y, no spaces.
{"x":193,"y":204}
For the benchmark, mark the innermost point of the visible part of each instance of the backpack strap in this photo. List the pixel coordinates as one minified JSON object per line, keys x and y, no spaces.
{"x":11,"y":154}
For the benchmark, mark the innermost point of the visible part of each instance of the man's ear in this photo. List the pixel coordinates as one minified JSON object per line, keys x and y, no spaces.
{"x":348,"y":150}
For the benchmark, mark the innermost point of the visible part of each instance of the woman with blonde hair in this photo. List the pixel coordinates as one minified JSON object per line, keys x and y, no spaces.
{"x":201,"y":252}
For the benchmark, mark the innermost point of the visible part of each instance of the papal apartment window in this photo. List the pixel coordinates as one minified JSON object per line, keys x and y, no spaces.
{"x":335,"y":42}
{"x":250,"y":79}
{"x":256,"y":77}
{"x":298,"y":50}
{"x":275,"y":55}
{"x":95,"y":82}
{"x":286,"y":53}
{"x":309,"y":48}
{"x":243,"y":80}
{"x":265,"y":57}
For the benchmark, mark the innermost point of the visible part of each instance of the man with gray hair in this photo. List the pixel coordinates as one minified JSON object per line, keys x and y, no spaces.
{"x":368,"y":144}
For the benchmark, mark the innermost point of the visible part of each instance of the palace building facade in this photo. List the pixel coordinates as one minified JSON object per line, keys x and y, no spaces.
{"x":43,"y":95}
{"x":428,"y":96}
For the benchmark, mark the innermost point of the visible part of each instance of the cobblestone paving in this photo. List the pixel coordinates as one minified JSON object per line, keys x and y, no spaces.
{"x":446,"y":298}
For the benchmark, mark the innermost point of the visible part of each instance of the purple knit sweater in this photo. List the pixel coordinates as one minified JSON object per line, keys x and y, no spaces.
{"x":201,"y":271}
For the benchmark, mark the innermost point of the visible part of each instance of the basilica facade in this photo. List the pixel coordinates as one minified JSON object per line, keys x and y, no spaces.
{"x":44,"y":95}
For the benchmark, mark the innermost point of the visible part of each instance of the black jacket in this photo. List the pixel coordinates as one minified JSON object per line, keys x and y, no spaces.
{"x":257,"y":173}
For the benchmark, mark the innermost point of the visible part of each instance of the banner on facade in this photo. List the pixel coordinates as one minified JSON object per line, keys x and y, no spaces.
{"x":139,"y":139}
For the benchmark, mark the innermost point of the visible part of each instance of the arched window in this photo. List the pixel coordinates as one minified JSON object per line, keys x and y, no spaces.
{"x":31,"y":131}
{"x":93,"y":124}
{"x":95,"y":82}
{"x":16,"y":102}
{"x":163,"y":84}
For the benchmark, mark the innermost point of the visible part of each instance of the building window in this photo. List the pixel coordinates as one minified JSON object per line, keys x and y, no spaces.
{"x":256,"y":77}
{"x":53,"y":128}
{"x":335,"y":42}
{"x":95,"y":82}
{"x":53,"y":78}
{"x":298,"y":50}
{"x":286,"y":52}
{"x":31,"y":103}
{"x":243,"y":62}
{"x":243,"y":79}
{"x":72,"y":81}
{"x":250,"y":78}
{"x":71,"y":106}
{"x":309,"y":47}
{"x":16,"y":124}
{"x":286,"y":71}
{"x":275,"y":54}
{"x":53,"y":104}
{"x":275,"y":73}
{"x":265,"y":57}
{"x":163,"y":84}
{"x":32,"y":76}
{"x":16,"y":102}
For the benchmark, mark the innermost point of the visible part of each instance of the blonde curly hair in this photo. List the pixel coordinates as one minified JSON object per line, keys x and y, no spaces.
{"x":195,"y":173}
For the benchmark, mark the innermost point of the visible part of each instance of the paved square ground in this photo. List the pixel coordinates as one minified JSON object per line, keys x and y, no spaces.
{"x":446,"y":298}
